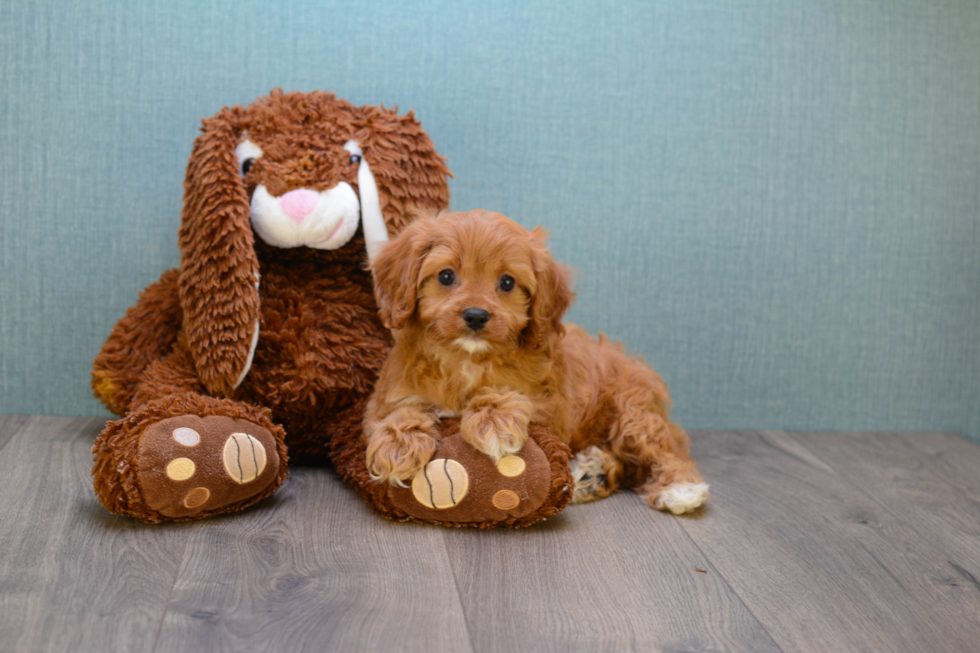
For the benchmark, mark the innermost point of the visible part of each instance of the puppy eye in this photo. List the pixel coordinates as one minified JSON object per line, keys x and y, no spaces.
{"x":447,"y":277}
{"x":247,"y":165}
{"x":355,"y":158}
{"x":507,"y":283}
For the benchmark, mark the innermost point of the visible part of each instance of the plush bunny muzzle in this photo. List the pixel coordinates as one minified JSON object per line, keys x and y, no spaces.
{"x":320,"y":220}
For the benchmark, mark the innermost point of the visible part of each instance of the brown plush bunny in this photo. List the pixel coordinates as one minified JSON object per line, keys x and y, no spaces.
{"x":270,"y":326}
{"x":268,"y":335}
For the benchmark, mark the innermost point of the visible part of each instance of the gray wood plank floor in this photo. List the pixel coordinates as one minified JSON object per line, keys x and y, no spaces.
{"x":813,"y":542}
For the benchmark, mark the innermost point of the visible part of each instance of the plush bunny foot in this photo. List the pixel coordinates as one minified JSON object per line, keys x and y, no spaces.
{"x":188,"y":466}
{"x":462,"y":486}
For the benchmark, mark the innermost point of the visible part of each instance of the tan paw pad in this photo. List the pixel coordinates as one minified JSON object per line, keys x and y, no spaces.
{"x":506,"y":500}
{"x":492,"y":492}
{"x":187,"y":436}
{"x":244,"y":458}
{"x":441,"y":484}
{"x":197,"y":497}
{"x":181,"y":469}
{"x":511,"y":466}
{"x":189,"y":465}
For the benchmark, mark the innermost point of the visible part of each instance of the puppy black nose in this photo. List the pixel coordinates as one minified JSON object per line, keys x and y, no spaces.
{"x":476,"y":318}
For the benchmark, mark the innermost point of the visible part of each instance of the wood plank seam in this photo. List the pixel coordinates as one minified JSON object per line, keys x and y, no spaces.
{"x":912,"y":525}
{"x":178,"y":567}
{"x":827,"y":559}
{"x":170,"y":596}
{"x":711,"y":568}
{"x":459,"y":596}
{"x":870,"y":494}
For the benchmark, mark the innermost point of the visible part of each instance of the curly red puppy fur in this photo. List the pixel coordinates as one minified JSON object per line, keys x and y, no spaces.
{"x":476,"y":304}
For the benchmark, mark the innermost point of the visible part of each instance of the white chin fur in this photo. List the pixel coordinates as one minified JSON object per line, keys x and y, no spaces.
{"x":472,"y":345}
{"x":683,"y":497}
{"x":331,"y":224}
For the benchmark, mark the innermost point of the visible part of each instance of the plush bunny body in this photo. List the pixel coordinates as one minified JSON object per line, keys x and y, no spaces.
{"x":324,"y":347}
{"x":320,"y":347}
{"x":268,"y":334}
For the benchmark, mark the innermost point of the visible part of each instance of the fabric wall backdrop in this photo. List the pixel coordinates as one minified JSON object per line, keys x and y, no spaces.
{"x":776,"y":204}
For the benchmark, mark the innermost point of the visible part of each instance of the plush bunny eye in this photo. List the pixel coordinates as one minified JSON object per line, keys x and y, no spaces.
{"x":447,"y":277}
{"x":507,"y":283}
{"x":247,"y":152}
{"x":355,"y":158}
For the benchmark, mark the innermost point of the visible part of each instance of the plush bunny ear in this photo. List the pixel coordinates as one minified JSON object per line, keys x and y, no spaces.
{"x":411,"y":176}
{"x":219,"y":269}
{"x":396,"y":271}
{"x":552,"y":298}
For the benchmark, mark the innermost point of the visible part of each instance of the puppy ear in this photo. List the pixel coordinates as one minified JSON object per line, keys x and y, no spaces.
{"x":552,"y":298}
{"x":396,"y":273}
{"x":219,"y":269}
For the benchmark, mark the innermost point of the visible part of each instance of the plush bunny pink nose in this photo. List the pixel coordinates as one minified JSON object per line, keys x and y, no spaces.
{"x":298,"y":204}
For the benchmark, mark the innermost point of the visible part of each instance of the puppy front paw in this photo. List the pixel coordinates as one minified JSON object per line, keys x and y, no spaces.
{"x":496,"y":424}
{"x":396,"y":451}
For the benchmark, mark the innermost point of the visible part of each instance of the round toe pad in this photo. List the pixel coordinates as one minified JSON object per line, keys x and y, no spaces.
{"x":189,"y":465}
{"x":463,"y":485}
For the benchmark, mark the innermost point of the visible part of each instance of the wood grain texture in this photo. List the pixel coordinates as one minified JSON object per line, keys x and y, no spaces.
{"x":312,"y":569}
{"x":812,"y":542}
{"x":607,"y":576}
{"x":72,"y":576}
{"x":821,"y":564}
{"x":9,"y":424}
{"x":930,"y":481}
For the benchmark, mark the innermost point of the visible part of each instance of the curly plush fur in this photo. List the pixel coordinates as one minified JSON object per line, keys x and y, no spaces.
{"x":293,"y":330}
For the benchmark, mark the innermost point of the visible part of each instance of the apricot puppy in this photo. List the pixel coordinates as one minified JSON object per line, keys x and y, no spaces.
{"x":475,"y":302}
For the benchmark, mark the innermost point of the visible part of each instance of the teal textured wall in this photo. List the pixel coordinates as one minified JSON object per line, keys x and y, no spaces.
{"x":775,"y":203}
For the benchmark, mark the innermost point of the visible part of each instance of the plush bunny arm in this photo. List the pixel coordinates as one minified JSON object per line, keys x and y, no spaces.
{"x":146,"y":333}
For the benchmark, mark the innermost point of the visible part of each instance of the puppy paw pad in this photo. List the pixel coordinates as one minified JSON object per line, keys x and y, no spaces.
{"x":197,"y":497}
{"x":244,"y":458}
{"x":441,"y":484}
{"x":187,"y":436}
{"x":181,"y":469}
{"x":680,"y":498}
{"x":511,"y":466}
{"x":506,"y":500}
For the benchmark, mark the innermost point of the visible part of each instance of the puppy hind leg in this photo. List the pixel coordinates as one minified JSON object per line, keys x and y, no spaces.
{"x":597,"y":474}
{"x":656,"y":455}
{"x":675,"y":485}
